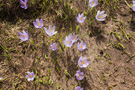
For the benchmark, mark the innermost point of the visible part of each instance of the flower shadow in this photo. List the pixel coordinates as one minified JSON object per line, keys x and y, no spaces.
{"x":54,"y":58}
{"x":132,"y":23}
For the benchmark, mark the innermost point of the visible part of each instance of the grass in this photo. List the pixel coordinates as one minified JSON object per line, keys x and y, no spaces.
{"x":35,"y":55}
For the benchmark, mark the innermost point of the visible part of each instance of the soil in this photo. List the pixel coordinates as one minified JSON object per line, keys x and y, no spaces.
{"x":110,"y":48}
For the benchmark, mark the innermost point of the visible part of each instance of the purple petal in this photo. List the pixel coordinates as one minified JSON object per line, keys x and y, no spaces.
{"x":1,"y":78}
{"x":24,"y":32}
{"x":27,"y":76}
{"x":81,"y":15}
{"x":50,"y":26}
{"x":53,"y":28}
{"x":98,"y":12}
{"x":28,"y":72}
{"x":84,"y":18}
{"x":41,"y":22}
{"x":133,"y":7}
{"x":133,"y":2}
{"x":26,"y":0}
{"x":22,"y":2}
{"x":53,"y":46}
{"x":22,"y":6}
{"x":81,"y":73}
{"x":20,"y":33}
{"x":45,"y":28}
{"x":46,"y":31}
{"x":29,"y":79}
{"x":78,"y":71}
{"x":102,"y":12}
{"x":26,"y":6}
{"x":35,"y":24}
{"x":27,"y":35}
{"x":78,"y":88}
{"x":77,"y":19}
{"x":81,"y":42}
{"x":84,"y":44}
{"x":104,"y":15}
{"x":85,"y":58}
{"x":54,"y":32}
{"x":37,"y":20}
{"x":73,"y":33}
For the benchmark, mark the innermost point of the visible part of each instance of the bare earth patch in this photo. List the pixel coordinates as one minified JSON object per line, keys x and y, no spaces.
{"x":110,"y":47}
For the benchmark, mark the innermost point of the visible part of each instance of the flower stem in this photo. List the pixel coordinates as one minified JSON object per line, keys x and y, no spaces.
{"x":127,"y":4}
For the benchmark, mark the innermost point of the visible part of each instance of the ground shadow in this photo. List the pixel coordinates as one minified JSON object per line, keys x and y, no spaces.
{"x":12,"y":12}
{"x":67,"y":19}
{"x":99,"y":39}
{"x":1,"y":51}
{"x":86,"y":85}
{"x":132,"y":23}
{"x":95,"y":30}
{"x":72,"y":68}
{"x":54,"y":55}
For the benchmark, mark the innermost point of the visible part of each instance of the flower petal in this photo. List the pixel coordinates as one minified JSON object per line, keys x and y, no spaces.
{"x":53,"y":28}
{"x":102,"y":12}
{"x":98,"y":12}
{"x":22,"y":2}
{"x":81,"y":15}
{"x":41,"y":22}
{"x":35,"y":24}
{"x":104,"y":15}
{"x":26,"y":0}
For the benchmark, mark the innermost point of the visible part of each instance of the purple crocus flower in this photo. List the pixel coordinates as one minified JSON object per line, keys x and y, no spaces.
{"x":38,"y":24}
{"x":78,"y":88}
{"x":30,"y":76}
{"x":100,"y":16}
{"x":74,"y":37}
{"x":24,"y":36}
{"x":82,"y":62}
{"x":93,"y":3}
{"x":81,"y":46}
{"x":80,"y":18}
{"x":79,"y":75}
{"x":24,"y":4}
{"x":50,"y":31}
{"x":133,"y":7}
{"x":68,"y":41}
{"x":1,"y":78}
{"x":53,"y":46}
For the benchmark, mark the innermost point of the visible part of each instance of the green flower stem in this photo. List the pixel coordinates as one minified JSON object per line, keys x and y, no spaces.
{"x":127,"y":4}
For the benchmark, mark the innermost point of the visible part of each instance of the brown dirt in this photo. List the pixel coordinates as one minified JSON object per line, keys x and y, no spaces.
{"x":111,"y":56}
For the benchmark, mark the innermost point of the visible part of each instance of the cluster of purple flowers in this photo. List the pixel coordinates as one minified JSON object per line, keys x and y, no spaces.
{"x":68,"y":41}
{"x":83,"y":63}
{"x":100,"y":16}
{"x":25,"y":36}
{"x":39,"y":24}
{"x":72,"y":38}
